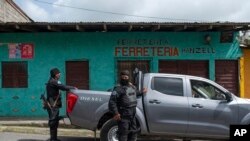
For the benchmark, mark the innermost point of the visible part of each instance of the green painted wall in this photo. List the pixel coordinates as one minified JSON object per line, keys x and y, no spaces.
{"x":53,"y":49}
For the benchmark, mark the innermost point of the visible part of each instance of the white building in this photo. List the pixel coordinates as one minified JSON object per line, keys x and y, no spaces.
{"x":10,"y":12}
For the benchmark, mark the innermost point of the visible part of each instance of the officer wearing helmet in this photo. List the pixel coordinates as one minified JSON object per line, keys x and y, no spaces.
{"x":122,"y":104}
{"x":53,"y":88}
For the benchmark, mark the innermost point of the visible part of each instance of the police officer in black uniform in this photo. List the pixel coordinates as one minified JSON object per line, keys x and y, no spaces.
{"x":53,"y":88}
{"x":122,"y":104}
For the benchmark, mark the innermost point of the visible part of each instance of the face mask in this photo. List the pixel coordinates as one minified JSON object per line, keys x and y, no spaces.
{"x":124,"y":81}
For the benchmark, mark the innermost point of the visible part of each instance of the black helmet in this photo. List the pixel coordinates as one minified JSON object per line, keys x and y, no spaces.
{"x":54,"y":72}
{"x":124,"y":72}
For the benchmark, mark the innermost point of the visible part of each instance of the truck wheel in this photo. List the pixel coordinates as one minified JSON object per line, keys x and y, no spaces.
{"x":109,"y":131}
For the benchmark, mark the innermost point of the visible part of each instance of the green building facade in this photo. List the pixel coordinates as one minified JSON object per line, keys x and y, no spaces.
{"x":104,"y":52}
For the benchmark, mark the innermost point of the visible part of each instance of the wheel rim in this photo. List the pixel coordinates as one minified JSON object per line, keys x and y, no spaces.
{"x":112,"y":134}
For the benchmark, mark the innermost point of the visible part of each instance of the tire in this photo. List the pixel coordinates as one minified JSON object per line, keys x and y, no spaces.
{"x":109,"y":131}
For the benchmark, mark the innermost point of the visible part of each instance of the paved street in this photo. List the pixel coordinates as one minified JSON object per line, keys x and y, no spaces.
{"x":12,"y":136}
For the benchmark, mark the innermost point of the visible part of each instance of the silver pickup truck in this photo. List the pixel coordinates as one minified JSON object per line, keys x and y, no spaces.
{"x":181,"y":106}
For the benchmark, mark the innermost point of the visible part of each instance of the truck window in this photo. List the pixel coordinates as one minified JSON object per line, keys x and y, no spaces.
{"x":205,"y":90}
{"x":167,"y":85}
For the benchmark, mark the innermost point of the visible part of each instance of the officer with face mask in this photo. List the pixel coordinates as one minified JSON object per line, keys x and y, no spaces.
{"x":122,"y":104}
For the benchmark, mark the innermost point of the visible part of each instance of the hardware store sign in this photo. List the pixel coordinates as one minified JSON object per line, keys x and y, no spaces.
{"x":157,"y":47}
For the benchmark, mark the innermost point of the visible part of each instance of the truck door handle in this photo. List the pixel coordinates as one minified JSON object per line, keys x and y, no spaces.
{"x":154,"y":101}
{"x":197,"y":106}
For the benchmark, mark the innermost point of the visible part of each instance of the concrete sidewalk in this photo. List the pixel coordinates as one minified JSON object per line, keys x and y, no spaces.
{"x":40,"y":126}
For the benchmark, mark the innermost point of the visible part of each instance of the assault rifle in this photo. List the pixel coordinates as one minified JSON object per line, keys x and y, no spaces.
{"x":46,"y":104}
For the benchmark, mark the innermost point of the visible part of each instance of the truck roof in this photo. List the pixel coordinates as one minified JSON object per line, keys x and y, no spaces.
{"x":173,"y":75}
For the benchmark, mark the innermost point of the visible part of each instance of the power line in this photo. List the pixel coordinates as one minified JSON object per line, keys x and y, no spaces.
{"x":115,"y":13}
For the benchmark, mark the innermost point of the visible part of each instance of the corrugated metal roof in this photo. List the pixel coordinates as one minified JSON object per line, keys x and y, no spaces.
{"x":121,"y":26}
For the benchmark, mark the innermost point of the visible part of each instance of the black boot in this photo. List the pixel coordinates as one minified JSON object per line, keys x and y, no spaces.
{"x":53,"y":135}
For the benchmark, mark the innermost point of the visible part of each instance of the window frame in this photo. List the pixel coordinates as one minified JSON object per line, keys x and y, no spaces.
{"x":217,"y":91}
{"x":182,"y":85}
{"x":17,"y":76}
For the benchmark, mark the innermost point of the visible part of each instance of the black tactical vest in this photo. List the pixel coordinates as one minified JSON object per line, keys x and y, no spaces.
{"x":128,"y":97}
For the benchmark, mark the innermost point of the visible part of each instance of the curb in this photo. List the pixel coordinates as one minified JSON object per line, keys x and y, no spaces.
{"x":41,"y":127}
{"x":45,"y":131}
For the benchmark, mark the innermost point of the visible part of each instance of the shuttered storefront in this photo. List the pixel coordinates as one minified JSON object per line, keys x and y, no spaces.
{"x":226,"y":74}
{"x":77,"y":74}
{"x":192,"y":67}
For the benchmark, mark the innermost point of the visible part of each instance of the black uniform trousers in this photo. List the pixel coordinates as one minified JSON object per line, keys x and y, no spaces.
{"x":53,"y":122}
{"x":127,"y":127}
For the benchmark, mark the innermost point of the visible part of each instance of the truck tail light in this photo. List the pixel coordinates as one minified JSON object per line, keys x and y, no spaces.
{"x":71,"y":101}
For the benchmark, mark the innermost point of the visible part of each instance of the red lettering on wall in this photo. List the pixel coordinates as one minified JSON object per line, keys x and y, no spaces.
{"x":167,"y":51}
{"x":139,"y":50}
{"x":132,"y":51}
{"x":159,"y":51}
{"x":153,"y":51}
{"x":117,"y":50}
{"x":124,"y":51}
{"x":146,"y":51}
{"x":176,"y":52}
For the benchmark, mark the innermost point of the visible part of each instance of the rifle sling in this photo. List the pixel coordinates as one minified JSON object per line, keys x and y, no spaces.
{"x":56,"y":100}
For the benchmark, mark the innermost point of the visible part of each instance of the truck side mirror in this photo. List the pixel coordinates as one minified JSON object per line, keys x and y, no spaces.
{"x":228,"y":96}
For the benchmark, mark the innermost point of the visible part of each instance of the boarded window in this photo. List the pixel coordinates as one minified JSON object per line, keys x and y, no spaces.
{"x":14,"y":74}
{"x":77,"y":74}
{"x":192,"y":67}
{"x":226,"y":74}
